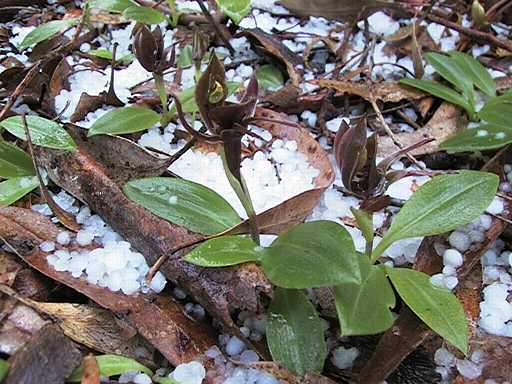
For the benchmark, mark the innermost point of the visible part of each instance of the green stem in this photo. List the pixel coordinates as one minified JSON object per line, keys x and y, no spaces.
{"x":162,"y":92}
{"x":379,"y":249}
{"x":242,"y":192}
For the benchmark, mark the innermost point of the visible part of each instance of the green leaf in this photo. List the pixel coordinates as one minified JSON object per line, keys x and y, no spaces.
{"x":187,"y":97}
{"x":481,"y":138}
{"x":103,"y":53}
{"x":440,"y":91}
{"x":497,"y":111}
{"x":313,"y":254}
{"x":125,"y":120}
{"x":449,"y":69}
{"x":14,"y":162}
{"x":363,"y":309}
{"x":45,"y":31}
{"x":183,"y":202}
{"x":295,"y":334}
{"x":144,"y":15}
{"x":444,"y":203}
{"x":115,"y":6}
{"x":236,"y":10}
{"x":111,"y":365}
{"x":436,"y":307}
{"x":164,"y":380}
{"x":269,"y":77}
{"x":43,"y":132}
{"x":475,"y":71}
{"x":225,"y":251}
{"x":364,"y":222}
{"x":4,"y":368}
{"x":14,"y":189}
{"x":185,"y":58}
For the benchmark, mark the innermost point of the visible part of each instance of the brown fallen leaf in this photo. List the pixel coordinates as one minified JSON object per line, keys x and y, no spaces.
{"x":270,"y":45}
{"x":294,"y":210}
{"x":96,"y":328}
{"x":91,"y":373}
{"x":49,"y":358}
{"x":160,"y":320}
{"x":387,"y":91}
{"x":122,"y":159}
{"x":447,"y":120}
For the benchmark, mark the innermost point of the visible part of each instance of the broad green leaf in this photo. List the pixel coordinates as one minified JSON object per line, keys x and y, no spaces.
{"x":440,"y":91}
{"x":236,"y":10}
{"x":498,"y":111}
{"x":103,"y":53}
{"x":185,"y":58}
{"x":225,"y":251}
{"x":449,"y":69}
{"x":444,"y":203}
{"x":295,"y":334}
{"x":124,"y":120}
{"x":187,"y":97}
{"x":483,"y":137}
{"x":116,"y":6}
{"x":45,"y":31}
{"x":144,"y":15}
{"x":43,"y":132}
{"x":269,"y":77}
{"x":436,"y":307}
{"x":363,"y":309}
{"x":4,"y":367}
{"x":183,"y":202}
{"x":12,"y":190}
{"x":14,"y":162}
{"x":111,"y":365}
{"x":475,"y":71}
{"x":313,"y":254}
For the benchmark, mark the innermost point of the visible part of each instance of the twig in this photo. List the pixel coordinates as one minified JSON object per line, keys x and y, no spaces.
{"x":495,"y":9}
{"x":478,"y":35}
{"x":216,"y":27}
{"x":390,"y":133}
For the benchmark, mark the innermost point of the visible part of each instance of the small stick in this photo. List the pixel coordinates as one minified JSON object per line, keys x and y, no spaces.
{"x":390,"y":133}
{"x":216,"y":27}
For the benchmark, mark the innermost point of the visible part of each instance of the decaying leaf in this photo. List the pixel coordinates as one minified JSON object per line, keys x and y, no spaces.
{"x":277,"y":49}
{"x":387,"y":92}
{"x":61,"y":357}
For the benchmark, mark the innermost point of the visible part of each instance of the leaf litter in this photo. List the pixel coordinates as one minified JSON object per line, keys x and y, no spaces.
{"x":209,"y":323}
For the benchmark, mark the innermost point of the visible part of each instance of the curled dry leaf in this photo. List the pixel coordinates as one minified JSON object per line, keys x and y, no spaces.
{"x":274,"y":47}
{"x":161,"y":321}
{"x":122,"y":159}
{"x":447,"y":120}
{"x":409,"y":331}
{"x":61,"y":357}
{"x":387,"y":92}
{"x":295,"y":209}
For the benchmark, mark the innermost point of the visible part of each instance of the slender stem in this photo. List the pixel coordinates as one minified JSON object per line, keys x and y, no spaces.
{"x":216,"y":27}
{"x":242,"y":192}
{"x":162,"y":92}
